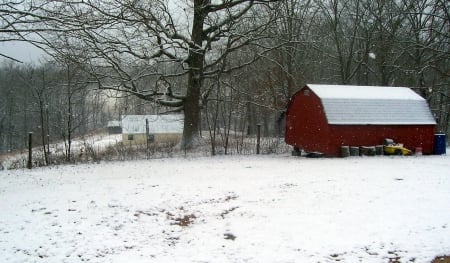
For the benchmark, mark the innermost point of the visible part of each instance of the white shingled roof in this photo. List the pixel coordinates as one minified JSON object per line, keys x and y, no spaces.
{"x":135,"y":124}
{"x":372,"y":105}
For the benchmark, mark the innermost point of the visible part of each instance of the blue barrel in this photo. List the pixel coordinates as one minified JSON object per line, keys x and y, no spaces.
{"x":439,"y":144}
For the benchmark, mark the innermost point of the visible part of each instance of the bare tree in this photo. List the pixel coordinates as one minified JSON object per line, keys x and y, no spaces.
{"x":21,"y":20}
{"x":289,"y":64}
{"x":72,"y":103}
{"x":38,"y":82}
{"x":343,"y":19}
{"x":16,"y":110}
{"x":130,"y":43}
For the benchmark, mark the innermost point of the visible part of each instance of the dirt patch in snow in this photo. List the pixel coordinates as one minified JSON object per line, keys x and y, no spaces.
{"x":441,"y":259}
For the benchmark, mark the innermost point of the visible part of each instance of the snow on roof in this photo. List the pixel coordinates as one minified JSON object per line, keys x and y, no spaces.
{"x":372,"y":105}
{"x":113,"y":124}
{"x":135,"y":124}
{"x":363,"y":92}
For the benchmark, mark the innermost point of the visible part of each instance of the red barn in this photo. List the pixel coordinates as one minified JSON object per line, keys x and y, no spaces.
{"x":322,"y":118}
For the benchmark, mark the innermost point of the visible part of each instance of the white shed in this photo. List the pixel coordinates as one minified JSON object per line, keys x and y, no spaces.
{"x":161,"y":128}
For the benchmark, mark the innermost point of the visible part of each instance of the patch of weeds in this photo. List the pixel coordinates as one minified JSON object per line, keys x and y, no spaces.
{"x":138,"y":213}
{"x":368,"y":251}
{"x":226,"y":212}
{"x":230,"y":196}
{"x":172,"y":240}
{"x":336,"y":257}
{"x":182,"y":221}
{"x":394,"y":257}
{"x":441,"y":259}
{"x":229,"y":236}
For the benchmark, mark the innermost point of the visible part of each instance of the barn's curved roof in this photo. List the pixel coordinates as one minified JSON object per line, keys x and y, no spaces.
{"x":374,"y":105}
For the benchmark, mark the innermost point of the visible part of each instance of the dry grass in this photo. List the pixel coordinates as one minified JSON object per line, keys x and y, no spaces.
{"x":441,"y":259}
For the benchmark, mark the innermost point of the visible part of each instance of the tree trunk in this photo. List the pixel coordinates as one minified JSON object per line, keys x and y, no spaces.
{"x":69,"y":116}
{"x":41,"y":117}
{"x":191,"y":131}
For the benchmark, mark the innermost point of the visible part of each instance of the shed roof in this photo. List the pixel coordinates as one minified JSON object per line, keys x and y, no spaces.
{"x":113,"y":124}
{"x":135,"y":124}
{"x":372,"y":105}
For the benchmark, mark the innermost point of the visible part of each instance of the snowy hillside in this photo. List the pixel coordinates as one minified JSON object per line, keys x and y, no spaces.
{"x":273,"y":208}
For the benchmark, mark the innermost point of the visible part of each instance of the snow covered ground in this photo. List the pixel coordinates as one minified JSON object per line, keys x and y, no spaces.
{"x":273,"y":208}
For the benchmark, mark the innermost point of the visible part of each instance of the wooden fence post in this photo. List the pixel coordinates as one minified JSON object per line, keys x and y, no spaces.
{"x":258,"y":138}
{"x":147,"y":134}
{"x":30,"y":150}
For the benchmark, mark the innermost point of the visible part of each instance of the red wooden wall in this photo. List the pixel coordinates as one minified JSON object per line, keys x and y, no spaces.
{"x":411,"y":136}
{"x":306,"y":125}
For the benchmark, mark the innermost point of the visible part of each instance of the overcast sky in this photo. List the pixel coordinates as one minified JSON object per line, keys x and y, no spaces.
{"x":21,"y":51}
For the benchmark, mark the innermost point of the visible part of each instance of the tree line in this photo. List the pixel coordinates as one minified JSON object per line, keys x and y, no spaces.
{"x":50,"y":101}
{"x":227,"y":65}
